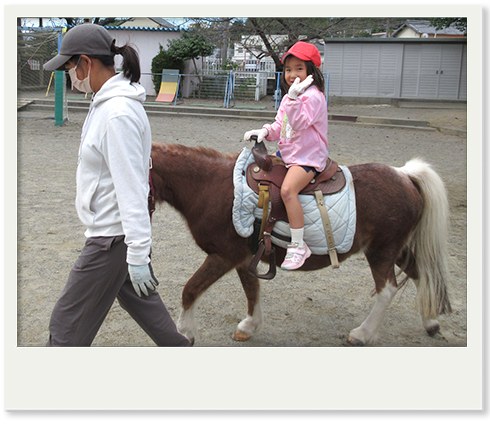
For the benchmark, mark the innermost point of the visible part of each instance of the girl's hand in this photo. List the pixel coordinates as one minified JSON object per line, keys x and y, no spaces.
{"x":260,"y":133}
{"x":299,"y":87}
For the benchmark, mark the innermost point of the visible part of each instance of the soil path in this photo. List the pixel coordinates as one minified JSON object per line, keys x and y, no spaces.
{"x":301,"y":309}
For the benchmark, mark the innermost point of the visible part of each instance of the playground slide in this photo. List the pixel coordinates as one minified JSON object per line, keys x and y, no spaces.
{"x":168,"y":86}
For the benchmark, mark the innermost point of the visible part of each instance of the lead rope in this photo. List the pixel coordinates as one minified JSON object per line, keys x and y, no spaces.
{"x":151,"y":195}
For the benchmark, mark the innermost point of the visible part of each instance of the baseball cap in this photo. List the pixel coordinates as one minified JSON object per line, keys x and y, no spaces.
{"x":305,"y":52}
{"x":85,"y":39}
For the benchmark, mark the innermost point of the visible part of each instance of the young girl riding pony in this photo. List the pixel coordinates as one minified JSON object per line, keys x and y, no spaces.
{"x":301,"y":127}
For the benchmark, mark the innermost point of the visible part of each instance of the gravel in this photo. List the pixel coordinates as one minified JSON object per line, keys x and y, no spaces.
{"x":300,"y":309}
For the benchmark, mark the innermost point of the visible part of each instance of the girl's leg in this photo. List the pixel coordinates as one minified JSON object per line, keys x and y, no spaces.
{"x":296,"y":179}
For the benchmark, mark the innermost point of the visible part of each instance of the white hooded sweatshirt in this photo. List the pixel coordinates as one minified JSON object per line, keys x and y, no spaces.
{"x":113,"y":168}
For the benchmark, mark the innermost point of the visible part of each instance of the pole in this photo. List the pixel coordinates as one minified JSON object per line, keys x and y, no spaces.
{"x":58,"y":98}
{"x":58,"y":92}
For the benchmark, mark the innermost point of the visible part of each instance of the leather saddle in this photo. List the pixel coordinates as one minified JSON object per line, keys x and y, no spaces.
{"x":265,"y":177}
{"x":330,"y":181}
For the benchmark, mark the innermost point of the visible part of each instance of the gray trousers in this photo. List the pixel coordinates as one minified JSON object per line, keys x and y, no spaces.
{"x":99,"y":276}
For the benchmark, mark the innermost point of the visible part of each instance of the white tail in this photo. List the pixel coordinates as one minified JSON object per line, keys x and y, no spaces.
{"x":429,"y":243}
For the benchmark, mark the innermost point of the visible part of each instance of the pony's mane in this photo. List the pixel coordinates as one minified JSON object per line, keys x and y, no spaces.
{"x":192,"y":152}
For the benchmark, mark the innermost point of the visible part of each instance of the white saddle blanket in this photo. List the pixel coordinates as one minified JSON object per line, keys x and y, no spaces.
{"x":341,"y":208}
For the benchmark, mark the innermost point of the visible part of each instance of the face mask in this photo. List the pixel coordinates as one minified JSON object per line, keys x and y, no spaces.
{"x":82,"y":85}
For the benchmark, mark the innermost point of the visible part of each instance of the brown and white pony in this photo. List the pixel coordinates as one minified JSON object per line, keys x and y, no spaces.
{"x":402,"y":219}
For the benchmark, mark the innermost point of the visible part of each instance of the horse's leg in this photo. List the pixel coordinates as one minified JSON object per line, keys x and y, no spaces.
{"x":386,"y":288}
{"x":254,"y":319}
{"x":213,"y":268}
{"x":406,"y":262}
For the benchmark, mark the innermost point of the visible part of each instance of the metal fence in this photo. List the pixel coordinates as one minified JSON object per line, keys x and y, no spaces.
{"x":235,"y":85}
{"x":34,"y":48}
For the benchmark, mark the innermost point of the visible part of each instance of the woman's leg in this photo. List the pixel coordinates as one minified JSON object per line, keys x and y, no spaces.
{"x":90,"y":291}
{"x":151,"y":315}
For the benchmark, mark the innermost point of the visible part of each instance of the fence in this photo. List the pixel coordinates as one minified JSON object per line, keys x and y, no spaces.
{"x":34,"y":48}
{"x":233,"y":85}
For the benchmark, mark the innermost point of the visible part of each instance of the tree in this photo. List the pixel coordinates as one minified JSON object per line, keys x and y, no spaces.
{"x":310,"y":29}
{"x":219,"y":32}
{"x":190,"y":46}
{"x":459,"y":23}
{"x":306,"y":29}
{"x":70,"y":22}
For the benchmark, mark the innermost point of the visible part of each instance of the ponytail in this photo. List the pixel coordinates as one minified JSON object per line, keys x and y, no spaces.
{"x":131,"y":62}
{"x":130,"y":65}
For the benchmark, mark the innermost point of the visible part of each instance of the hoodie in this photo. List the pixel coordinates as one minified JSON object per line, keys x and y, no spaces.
{"x":113,"y":168}
{"x":301,"y":127}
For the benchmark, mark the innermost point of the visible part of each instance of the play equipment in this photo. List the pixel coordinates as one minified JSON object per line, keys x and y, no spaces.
{"x":169,"y":86}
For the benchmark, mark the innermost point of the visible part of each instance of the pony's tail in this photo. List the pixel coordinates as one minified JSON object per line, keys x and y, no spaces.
{"x":429,"y":242}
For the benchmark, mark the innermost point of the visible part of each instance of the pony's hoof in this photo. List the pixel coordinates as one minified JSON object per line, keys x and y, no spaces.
{"x":241,"y":336}
{"x":432,"y":331}
{"x":352,"y":341}
{"x":192,"y":341}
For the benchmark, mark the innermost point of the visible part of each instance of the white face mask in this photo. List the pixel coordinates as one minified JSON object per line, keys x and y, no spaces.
{"x":82,"y":85}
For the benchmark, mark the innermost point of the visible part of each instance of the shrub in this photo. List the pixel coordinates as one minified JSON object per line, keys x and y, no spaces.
{"x":162,"y":61}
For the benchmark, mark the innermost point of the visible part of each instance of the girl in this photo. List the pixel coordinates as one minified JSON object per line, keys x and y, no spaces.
{"x":112,"y":197}
{"x":301,"y":127}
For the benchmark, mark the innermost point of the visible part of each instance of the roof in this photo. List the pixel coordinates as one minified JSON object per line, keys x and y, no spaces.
{"x":396,"y":40}
{"x":163,"y":22}
{"x":422,"y":26}
{"x":154,"y":24}
{"x":109,"y":27}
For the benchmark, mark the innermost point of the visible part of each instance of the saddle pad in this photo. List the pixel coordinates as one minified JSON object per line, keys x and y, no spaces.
{"x":341,"y":208}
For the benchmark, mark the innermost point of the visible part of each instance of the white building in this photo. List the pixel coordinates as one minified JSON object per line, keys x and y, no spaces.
{"x":252,"y":47}
{"x":422,"y":29}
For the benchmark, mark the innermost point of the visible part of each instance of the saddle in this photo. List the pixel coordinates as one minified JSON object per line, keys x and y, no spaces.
{"x":265,"y":178}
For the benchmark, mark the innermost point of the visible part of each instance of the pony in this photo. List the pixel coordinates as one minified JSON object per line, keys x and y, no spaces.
{"x":402,"y":221}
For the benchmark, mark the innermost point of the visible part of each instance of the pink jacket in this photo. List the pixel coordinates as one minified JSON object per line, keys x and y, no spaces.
{"x":301,"y":127}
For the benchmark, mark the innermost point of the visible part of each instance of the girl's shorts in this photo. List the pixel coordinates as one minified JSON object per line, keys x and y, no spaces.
{"x":307,"y":168}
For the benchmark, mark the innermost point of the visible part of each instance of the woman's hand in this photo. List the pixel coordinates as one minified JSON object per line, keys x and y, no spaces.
{"x":142,"y":278}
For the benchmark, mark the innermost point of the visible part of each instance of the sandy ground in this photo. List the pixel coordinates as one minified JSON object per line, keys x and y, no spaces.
{"x":301,"y":309}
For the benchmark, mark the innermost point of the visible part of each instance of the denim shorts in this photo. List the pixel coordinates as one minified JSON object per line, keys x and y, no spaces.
{"x":307,"y":168}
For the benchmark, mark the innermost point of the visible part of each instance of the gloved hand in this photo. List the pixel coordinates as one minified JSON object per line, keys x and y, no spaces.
{"x":260,"y":133}
{"x":142,"y":278}
{"x":297,"y":88}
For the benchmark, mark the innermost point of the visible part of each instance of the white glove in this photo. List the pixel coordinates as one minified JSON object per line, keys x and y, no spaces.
{"x":260,"y":133}
{"x":142,"y":278}
{"x":297,"y":88}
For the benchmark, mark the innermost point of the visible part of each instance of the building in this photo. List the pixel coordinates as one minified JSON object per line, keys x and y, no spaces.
{"x":423,"y":29}
{"x":396,"y":68}
{"x":252,"y":47}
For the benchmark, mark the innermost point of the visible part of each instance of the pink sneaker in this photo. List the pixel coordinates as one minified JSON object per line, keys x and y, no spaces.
{"x":295,"y":257}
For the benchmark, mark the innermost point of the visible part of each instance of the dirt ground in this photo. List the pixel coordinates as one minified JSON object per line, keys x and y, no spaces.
{"x":300,"y":308}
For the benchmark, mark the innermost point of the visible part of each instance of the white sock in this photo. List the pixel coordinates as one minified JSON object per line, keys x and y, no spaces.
{"x":297,"y":236}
